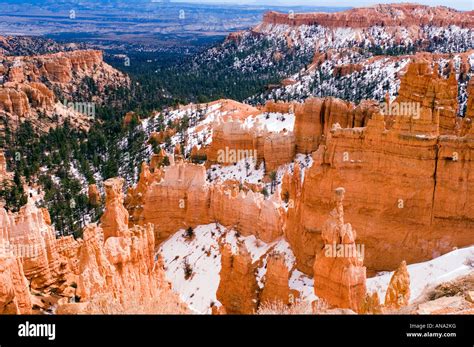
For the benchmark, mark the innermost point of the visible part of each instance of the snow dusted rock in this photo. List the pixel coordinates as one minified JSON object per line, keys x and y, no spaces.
{"x":398,"y":291}
{"x":437,"y":96}
{"x":184,"y":198}
{"x":180,"y":198}
{"x":385,"y":15}
{"x":235,"y":139}
{"x":445,"y":305}
{"x":371,"y":304}
{"x":406,"y":176}
{"x":339,"y":278}
{"x":279,"y":107}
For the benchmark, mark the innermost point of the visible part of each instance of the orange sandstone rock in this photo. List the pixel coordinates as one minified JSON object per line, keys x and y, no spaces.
{"x":276,"y":287}
{"x":115,"y":218}
{"x":339,"y":278}
{"x":398,"y":291}
{"x":386,"y":15}
{"x":237,"y":290}
{"x":94,"y":195}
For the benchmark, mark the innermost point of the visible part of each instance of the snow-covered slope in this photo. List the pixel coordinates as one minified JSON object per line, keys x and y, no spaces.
{"x":193,"y":263}
{"x":423,"y":275}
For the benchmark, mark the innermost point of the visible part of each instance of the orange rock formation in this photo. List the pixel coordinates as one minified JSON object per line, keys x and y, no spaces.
{"x":398,"y":291}
{"x":183,"y":198}
{"x":390,"y":15}
{"x":238,"y":290}
{"x":339,"y":274}
{"x":406,"y":185}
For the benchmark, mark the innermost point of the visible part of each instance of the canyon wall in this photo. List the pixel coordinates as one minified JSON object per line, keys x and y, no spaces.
{"x":423,"y":85}
{"x":315,"y":117}
{"x":14,"y":288}
{"x":33,"y":238}
{"x":404,"y":190}
{"x":28,"y":85}
{"x":391,"y":15}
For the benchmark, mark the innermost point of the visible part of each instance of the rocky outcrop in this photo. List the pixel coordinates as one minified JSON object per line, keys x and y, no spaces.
{"x":27,"y":84}
{"x":117,"y":271}
{"x":339,"y":274}
{"x":315,"y":117}
{"x":436,"y":96}
{"x":390,"y":15}
{"x":234,"y":140}
{"x":277,"y":277}
{"x":238,"y":290}
{"x":371,"y":304}
{"x":4,"y":174}
{"x":278,"y":149}
{"x":398,"y":291}
{"x":279,"y":107}
{"x":94,"y":195}
{"x":33,"y":239}
{"x":401,"y":184}
{"x":184,"y":198}
{"x":114,"y":221}
{"x":14,"y":287}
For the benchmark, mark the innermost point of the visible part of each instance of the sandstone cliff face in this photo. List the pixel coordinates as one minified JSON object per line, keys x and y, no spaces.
{"x":400,"y":189}
{"x":94,"y":195}
{"x":275,"y":148}
{"x":391,"y":15}
{"x":14,"y":287}
{"x":115,"y":218}
{"x":315,"y":117}
{"x":276,"y":287}
{"x":339,"y":274}
{"x":423,"y":85}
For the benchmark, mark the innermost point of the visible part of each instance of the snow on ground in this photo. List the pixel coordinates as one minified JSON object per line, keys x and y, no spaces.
{"x":305,"y":161}
{"x":202,"y":254}
{"x":78,"y":176}
{"x":273,"y":121}
{"x":243,"y":171}
{"x":422,"y":275}
{"x":304,"y":285}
